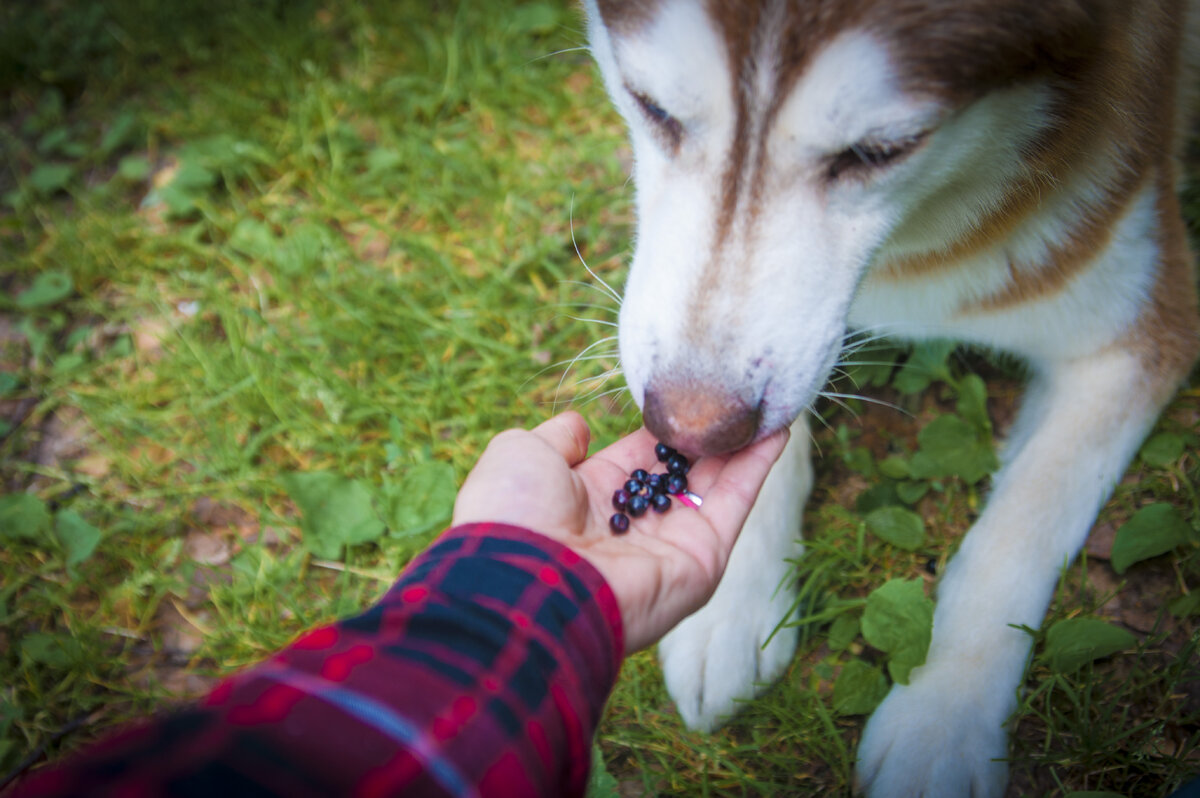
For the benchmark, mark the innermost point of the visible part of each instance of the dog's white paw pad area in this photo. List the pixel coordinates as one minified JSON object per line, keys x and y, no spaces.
{"x":713,"y":661}
{"x":926,"y":742}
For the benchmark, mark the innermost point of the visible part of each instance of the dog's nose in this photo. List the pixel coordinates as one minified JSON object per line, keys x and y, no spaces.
{"x":698,"y":420}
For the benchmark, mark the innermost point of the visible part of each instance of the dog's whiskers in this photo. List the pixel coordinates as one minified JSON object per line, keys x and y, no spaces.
{"x":611,"y":291}
{"x":602,"y":378}
{"x":564,"y":51}
{"x":593,"y":321}
{"x":580,"y":357}
{"x":587,"y":305}
{"x":596,"y":393}
{"x":597,"y":381}
{"x":812,"y":413}
{"x":835,"y":397}
{"x":840,"y":403}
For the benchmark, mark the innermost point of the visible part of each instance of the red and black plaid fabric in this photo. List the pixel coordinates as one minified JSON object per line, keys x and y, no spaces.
{"x":483,"y":671}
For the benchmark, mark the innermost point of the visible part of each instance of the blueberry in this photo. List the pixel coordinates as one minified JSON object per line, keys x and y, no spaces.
{"x":676,"y":484}
{"x":638,"y":505}
{"x":619,"y":523}
{"x":620,"y":499}
{"x":635,"y":486}
{"x":657,"y":483}
{"x":663,"y":452}
{"x":661,"y":502}
{"x":677,"y":464}
{"x":640,"y":475}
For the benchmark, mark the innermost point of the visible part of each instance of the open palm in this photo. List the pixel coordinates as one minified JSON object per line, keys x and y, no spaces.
{"x":666,"y":566}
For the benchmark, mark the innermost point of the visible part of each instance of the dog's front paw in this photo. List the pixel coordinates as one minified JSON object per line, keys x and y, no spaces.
{"x":716,"y":658}
{"x":931,"y":740}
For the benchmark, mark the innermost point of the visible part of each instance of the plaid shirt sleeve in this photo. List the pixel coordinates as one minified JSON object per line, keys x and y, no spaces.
{"x":482,"y":672}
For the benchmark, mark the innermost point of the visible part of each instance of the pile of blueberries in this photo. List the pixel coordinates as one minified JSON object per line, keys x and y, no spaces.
{"x":645,"y":491}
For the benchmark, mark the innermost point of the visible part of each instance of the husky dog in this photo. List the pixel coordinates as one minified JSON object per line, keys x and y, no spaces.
{"x":1000,"y":172}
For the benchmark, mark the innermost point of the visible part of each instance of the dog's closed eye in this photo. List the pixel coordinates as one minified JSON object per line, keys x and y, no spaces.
{"x":666,"y":124}
{"x":870,"y":155}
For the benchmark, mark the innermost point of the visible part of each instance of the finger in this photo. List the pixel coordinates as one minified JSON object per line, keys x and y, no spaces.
{"x":728,"y":500}
{"x":568,"y":434}
{"x":635,"y":450}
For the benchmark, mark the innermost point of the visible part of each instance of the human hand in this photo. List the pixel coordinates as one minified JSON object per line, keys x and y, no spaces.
{"x":666,"y":566}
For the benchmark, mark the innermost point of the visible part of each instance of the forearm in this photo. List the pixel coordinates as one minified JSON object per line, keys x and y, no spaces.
{"x":482,"y":671}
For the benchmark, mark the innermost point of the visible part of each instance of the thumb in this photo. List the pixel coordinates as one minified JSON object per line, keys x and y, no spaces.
{"x":568,"y":434}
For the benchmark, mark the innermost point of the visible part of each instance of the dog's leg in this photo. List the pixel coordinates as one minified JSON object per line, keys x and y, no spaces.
{"x":944,"y":733}
{"x":715,"y":657}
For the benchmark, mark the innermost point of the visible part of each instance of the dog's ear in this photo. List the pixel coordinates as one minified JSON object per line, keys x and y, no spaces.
{"x":963,"y":49}
{"x":623,"y":16}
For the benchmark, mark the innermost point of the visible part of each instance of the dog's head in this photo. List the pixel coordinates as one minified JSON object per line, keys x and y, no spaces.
{"x":786,"y":148}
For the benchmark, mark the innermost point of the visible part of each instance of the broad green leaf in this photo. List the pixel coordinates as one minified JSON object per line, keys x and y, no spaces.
{"x":1162,"y":449}
{"x":382,"y":160}
{"x":972,"y":403}
{"x":1074,"y":642}
{"x":225,"y":153}
{"x":396,"y":429}
{"x":898,"y":619}
{"x":119,"y":132}
{"x":134,"y":168}
{"x":952,"y":447}
{"x":38,"y":338}
{"x":1187,"y":605}
{"x":47,"y":178}
{"x":76,"y":535}
{"x":23,"y":515}
{"x":68,"y":362}
{"x":898,"y":526}
{"x":911,"y":491}
{"x":48,"y":288}
{"x":859,"y":688}
{"x":254,"y":238}
{"x":926,"y":364}
{"x":882,"y":494}
{"x":302,"y":248}
{"x":121,"y":347}
{"x":57,"y":651}
{"x":55,"y":140}
{"x":422,"y":500}
{"x":859,"y":459}
{"x":895,"y":468}
{"x":601,"y":783}
{"x":1151,"y":531}
{"x":79,"y":336}
{"x":843,"y":631}
{"x":193,"y":176}
{"x":10,"y":713}
{"x":8,"y":383}
{"x":336,"y":512}
{"x":534,"y":18}
{"x":190,"y":182}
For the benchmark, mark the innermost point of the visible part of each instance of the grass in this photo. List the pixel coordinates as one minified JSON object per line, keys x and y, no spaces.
{"x":308,"y":239}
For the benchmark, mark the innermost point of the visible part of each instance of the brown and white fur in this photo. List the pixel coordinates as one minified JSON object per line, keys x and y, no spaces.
{"x":997,"y":171}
